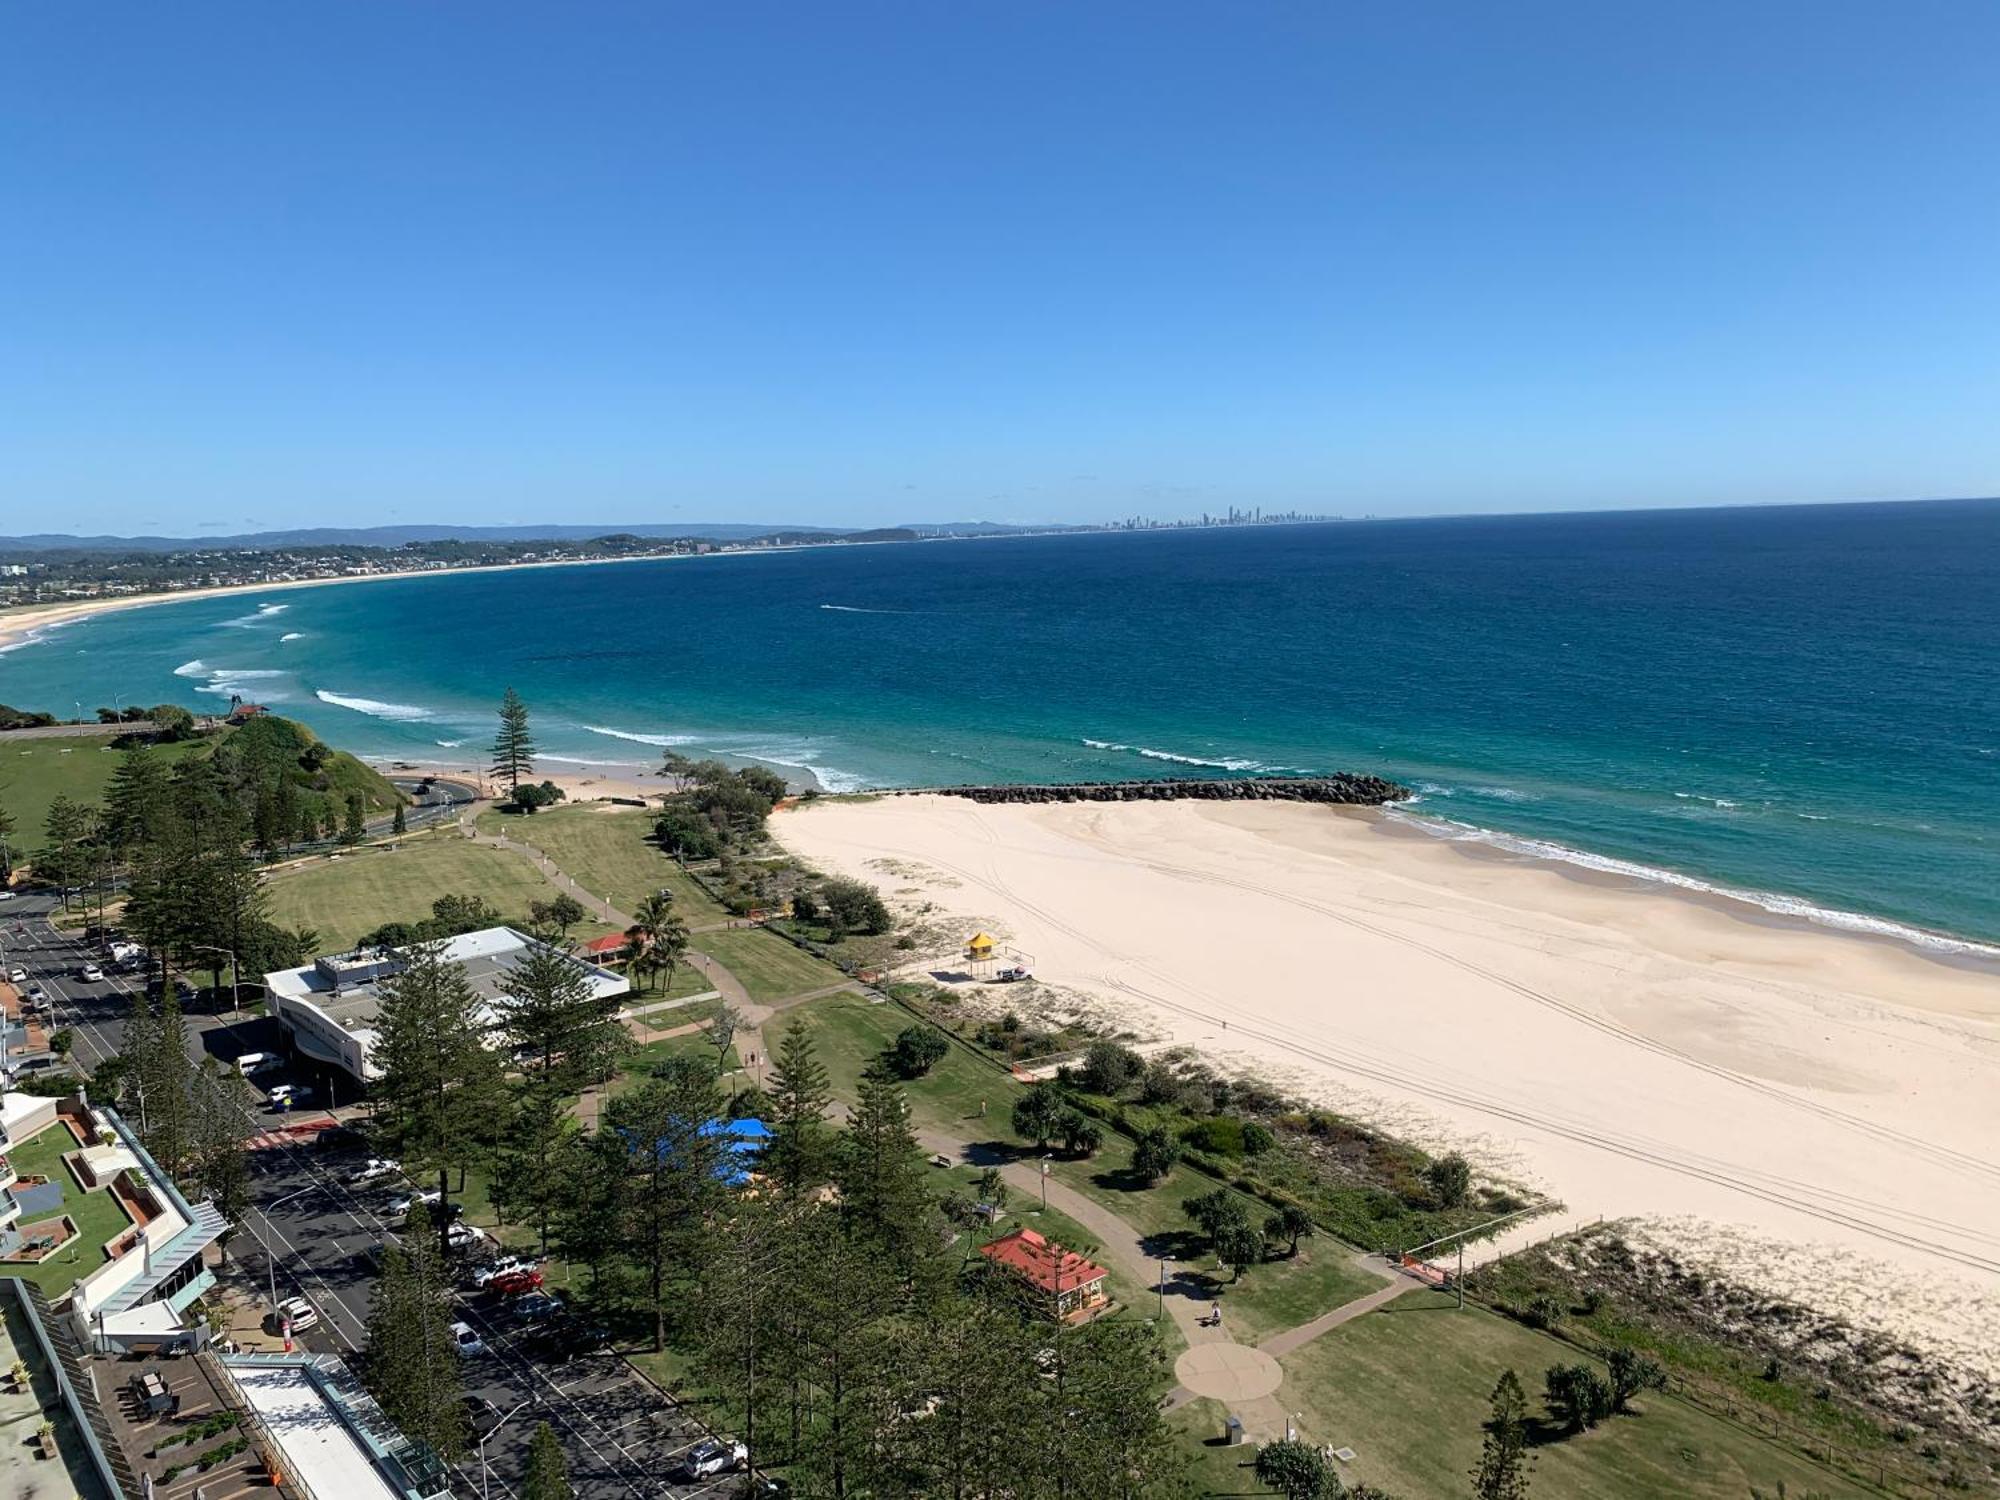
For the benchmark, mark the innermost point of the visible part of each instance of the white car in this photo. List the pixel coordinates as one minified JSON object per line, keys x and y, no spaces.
{"x":300,"y":1313}
{"x":463,"y":1236}
{"x":712,"y":1456}
{"x":465,"y":1340}
{"x":92,"y":974}
{"x":17,"y":975}
{"x":401,"y":1207}
{"x":375,"y":1169}
{"x":6,"y":895}
{"x":507,"y":1265}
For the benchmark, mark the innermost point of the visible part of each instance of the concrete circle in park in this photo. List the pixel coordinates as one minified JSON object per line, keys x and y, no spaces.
{"x":1228,"y":1372}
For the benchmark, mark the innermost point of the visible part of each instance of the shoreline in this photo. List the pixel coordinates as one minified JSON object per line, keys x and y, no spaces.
{"x":30,"y":622}
{"x":1797,"y":1107}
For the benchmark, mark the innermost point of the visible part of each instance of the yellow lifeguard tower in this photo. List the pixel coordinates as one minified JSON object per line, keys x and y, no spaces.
{"x":979,"y":948}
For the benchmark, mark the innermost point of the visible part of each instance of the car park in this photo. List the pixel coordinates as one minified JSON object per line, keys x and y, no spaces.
{"x":712,"y":1456}
{"x":341,"y":1138}
{"x":465,"y":1340}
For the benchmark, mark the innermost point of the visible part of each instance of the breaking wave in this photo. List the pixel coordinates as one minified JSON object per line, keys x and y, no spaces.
{"x":662,"y":740}
{"x":1770,"y":901}
{"x":292,"y":635}
{"x":396,"y":713}
{"x":1225,"y":763}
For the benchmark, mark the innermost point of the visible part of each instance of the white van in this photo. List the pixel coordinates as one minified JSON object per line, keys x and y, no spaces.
{"x":250,"y":1064}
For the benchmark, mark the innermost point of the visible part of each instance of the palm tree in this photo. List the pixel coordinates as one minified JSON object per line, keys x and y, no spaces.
{"x":659,"y":938}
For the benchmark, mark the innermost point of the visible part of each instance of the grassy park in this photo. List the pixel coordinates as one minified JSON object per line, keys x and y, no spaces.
{"x":608,"y":851}
{"x":34,"y":772}
{"x":1406,"y":1387}
{"x":769,"y":967}
{"x":344,"y":896}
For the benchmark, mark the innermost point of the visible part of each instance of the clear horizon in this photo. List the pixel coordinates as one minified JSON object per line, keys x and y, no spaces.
{"x":474,"y":265}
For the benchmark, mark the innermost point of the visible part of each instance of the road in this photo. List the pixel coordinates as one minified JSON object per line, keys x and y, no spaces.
{"x":307,"y":1231}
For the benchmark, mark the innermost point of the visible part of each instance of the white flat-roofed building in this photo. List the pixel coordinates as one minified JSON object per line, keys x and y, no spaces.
{"x":329,"y":1007}
{"x":330,"y":1434}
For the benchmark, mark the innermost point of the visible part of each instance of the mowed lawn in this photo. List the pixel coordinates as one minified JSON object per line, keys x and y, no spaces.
{"x":607,"y":849}
{"x":342,"y":898}
{"x":1407,"y":1389}
{"x":769,"y":967}
{"x":33,"y":773}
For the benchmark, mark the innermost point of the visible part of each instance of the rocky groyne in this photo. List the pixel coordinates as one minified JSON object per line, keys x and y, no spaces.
{"x":1338,"y":789}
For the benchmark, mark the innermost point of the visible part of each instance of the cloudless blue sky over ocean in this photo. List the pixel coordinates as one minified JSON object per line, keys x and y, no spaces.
{"x":265,"y":264}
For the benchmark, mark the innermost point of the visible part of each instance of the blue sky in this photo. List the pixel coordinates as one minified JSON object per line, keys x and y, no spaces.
{"x":268,"y":264}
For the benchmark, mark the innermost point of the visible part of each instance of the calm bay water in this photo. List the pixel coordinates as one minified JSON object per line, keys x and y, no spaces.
{"x":1800,"y":702}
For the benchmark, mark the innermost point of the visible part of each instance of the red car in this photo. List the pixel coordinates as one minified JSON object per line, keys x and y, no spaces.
{"x":513,"y":1283}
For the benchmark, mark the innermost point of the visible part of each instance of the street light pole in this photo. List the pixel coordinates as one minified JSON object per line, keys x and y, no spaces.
{"x":235,"y":976}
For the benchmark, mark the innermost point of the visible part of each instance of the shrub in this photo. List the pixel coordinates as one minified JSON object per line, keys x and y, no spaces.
{"x":917,"y":1050}
{"x":1448,"y":1178}
{"x":854,"y":906}
{"x":1257,"y":1139}
{"x":1154,"y":1156}
{"x":1108,"y":1068}
{"x":1577,"y":1396}
{"x":1220,"y":1135}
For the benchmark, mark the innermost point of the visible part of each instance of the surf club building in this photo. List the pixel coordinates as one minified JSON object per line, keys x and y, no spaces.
{"x":329,"y":1007}
{"x":1053,"y":1283}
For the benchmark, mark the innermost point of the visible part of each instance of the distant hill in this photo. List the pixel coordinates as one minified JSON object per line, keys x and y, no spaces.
{"x":396,"y":536}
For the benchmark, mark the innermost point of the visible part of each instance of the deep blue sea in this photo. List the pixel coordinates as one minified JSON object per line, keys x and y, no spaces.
{"x":1802,"y":703}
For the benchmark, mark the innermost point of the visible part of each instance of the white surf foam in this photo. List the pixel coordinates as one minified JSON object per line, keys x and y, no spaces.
{"x":292,"y":635}
{"x":447,"y":744}
{"x":38,"y":634}
{"x":399,"y":713}
{"x":583,"y":760}
{"x":195,"y":668}
{"x":261,"y":613}
{"x":642,"y":739}
{"x":856,"y":609}
{"x":1222,"y":763}
{"x":1771,"y":901}
{"x":1494,"y":793}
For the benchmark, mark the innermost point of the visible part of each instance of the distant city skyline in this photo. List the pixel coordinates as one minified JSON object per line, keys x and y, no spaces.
{"x":889,"y":263}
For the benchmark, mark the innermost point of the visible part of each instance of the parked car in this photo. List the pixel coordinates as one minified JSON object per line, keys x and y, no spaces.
{"x":480,"y":1414}
{"x":17,"y":975}
{"x":286,"y":1096}
{"x":91,"y":974}
{"x":534,"y":1307}
{"x":508,"y":1265}
{"x":712,"y":1456}
{"x":341,"y":1138}
{"x":6,"y":895}
{"x":1012,"y":976}
{"x":404,"y":1204}
{"x":463,"y":1236}
{"x":465,"y":1340}
{"x":513,"y":1283}
{"x":300,"y":1313}
{"x":376,"y":1169}
{"x":250,"y":1064}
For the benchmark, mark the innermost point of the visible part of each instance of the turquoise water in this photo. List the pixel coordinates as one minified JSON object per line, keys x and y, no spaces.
{"x":1803,"y":703}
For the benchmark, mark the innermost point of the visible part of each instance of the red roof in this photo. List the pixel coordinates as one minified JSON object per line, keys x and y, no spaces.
{"x":1042,"y":1261}
{"x":611,"y":942}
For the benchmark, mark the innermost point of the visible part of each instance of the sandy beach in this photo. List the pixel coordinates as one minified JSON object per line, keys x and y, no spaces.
{"x":18,"y":625}
{"x":1809,"y":1112}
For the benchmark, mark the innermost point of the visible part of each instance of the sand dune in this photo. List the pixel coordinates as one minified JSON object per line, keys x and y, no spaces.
{"x":1819,"y":1110}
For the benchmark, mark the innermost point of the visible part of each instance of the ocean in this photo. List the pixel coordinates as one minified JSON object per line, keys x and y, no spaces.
{"x":1798,"y":704}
